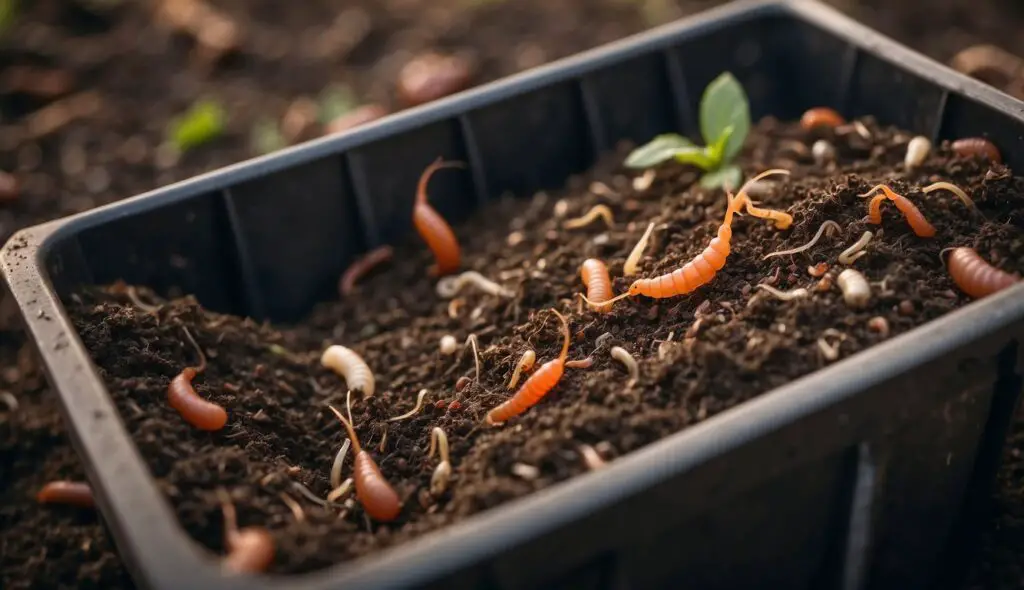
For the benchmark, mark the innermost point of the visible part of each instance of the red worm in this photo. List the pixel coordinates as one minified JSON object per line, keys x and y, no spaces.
{"x":72,"y":493}
{"x":821,"y":117}
{"x":598,"y":283}
{"x":702,"y":269}
{"x":915,"y":218}
{"x":360,"y":267}
{"x":976,"y":277}
{"x":434,"y":230}
{"x":198,"y":412}
{"x":250,"y":550}
{"x":374,"y":492}
{"x":537,"y":386}
{"x":977,"y":146}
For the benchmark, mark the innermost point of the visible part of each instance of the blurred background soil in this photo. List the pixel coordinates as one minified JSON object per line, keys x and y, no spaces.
{"x":104,"y":99}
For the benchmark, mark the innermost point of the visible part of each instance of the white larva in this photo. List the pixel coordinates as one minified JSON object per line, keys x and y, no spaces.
{"x":917,"y":151}
{"x":351,"y":366}
{"x":448,"y":345}
{"x":622,"y":355}
{"x":823,"y":152}
{"x":855,"y":288}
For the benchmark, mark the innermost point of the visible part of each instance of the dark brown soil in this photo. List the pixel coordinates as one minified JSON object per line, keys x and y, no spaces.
{"x":144,"y":76}
{"x":724,"y":344}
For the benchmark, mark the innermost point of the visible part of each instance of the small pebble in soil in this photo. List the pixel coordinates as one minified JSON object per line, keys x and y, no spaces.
{"x":430,"y":76}
{"x":906,"y":307}
{"x":524,"y":471}
{"x":879,"y":325}
{"x":299,"y":119}
{"x":448,"y":345}
{"x":9,"y":189}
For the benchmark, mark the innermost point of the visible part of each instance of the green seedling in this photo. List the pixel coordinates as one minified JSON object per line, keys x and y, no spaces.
{"x":724,"y":125}
{"x":335,"y":101}
{"x":266,"y":137}
{"x":8,"y":11}
{"x":202,"y":123}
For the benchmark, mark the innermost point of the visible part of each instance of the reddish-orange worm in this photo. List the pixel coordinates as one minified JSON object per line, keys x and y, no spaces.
{"x":72,"y":493}
{"x":374,"y":492}
{"x":702,"y":269}
{"x":598,"y":282}
{"x":434,"y":230}
{"x":977,"y":146}
{"x":915,"y":218}
{"x":182,"y":396}
{"x":975,"y":276}
{"x":821,"y":117}
{"x":537,"y":386}
{"x":250,"y":550}
{"x":360,"y":267}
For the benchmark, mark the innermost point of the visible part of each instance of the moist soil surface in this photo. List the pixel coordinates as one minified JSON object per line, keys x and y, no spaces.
{"x":698,"y":354}
{"x":143,"y":76}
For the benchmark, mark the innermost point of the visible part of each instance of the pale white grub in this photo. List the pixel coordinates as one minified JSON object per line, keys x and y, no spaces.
{"x":623,"y":356}
{"x":855,"y":288}
{"x":351,"y":366}
{"x":917,"y":151}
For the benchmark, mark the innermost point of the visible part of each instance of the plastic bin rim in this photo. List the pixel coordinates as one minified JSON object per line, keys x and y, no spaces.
{"x":445,"y":549}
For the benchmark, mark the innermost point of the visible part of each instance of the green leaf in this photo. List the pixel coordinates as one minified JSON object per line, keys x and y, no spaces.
{"x":659,"y":149}
{"x":724,"y":104}
{"x":202,"y":123}
{"x":717,"y":149}
{"x":729,"y":177}
{"x":698,"y":156}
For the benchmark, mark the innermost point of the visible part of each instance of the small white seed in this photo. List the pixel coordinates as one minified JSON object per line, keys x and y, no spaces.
{"x":917,"y":151}
{"x":855,"y":288}
{"x":449,"y":345}
{"x":524,"y":471}
{"x":823,"y":152}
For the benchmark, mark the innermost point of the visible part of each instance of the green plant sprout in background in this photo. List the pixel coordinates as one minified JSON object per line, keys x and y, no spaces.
{"x":202,"y":123}
{"x":724,"y":124}
{"x":8,"y":10}
{"x":335,"y":101}
{"x":266,"y":138}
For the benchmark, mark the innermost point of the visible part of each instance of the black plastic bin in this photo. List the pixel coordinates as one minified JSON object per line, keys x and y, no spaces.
{"x":862,"y":475}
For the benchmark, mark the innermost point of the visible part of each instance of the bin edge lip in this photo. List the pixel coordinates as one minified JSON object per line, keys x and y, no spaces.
{"x":688,"y":448}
